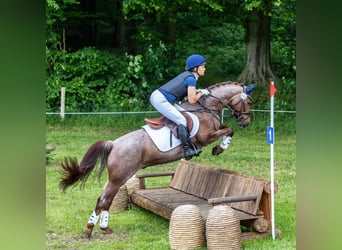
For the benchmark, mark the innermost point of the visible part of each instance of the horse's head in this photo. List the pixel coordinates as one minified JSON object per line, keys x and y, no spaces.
{"x":234,"y":96}
{"x":231,"y":95}
{"x":240,"y":105}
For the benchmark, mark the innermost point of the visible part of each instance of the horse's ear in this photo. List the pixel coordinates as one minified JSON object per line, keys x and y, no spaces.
{"x":250,"y":88}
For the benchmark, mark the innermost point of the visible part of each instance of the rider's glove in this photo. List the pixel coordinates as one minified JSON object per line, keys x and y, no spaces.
{"x":203,"y":91}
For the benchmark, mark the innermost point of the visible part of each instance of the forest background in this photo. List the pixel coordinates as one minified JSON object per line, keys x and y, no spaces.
{"x":111,"y":54}
{"x":318,"y":56}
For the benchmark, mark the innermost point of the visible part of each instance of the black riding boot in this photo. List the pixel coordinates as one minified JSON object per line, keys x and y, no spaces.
{"x":185,"y":140}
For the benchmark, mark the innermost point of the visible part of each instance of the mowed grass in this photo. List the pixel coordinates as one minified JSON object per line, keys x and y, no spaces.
{"x":67,"y":213}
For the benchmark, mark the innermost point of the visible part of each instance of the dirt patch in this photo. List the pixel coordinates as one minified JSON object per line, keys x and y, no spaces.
{"x":54,"y":240}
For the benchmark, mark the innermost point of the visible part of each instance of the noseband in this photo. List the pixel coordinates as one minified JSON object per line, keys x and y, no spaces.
{"x":243,"y":99}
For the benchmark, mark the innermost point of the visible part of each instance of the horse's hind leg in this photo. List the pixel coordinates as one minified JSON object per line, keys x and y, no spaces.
{"x":103,"y":204}
{"x":94,"y":217}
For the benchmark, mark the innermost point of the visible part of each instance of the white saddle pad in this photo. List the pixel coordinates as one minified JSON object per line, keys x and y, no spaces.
{"x":164,"y":139}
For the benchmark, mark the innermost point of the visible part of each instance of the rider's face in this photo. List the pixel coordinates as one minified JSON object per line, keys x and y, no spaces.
{"x":201,"y":70}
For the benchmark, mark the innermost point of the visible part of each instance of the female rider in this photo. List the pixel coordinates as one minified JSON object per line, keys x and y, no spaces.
{"x":183,"y":85}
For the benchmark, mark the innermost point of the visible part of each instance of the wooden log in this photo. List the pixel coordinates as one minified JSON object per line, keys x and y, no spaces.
{"x":196,"y":184}
{"x":232,"y":199}
{"x":155,"y":174}
{"x":227,"y":171}
{"x":260,"y":225}
{"x":159,"y":199}
{"x":153,"y":206}
{"x":253,"y":235}
{"x":142,"y":177}
{"x":267,"y":187}
{"x":265,"y":205}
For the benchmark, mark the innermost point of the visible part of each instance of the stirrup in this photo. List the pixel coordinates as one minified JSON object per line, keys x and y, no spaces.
{"x":192,"y":152}
{"x":197,"y":151}
{"x":188,"y":157}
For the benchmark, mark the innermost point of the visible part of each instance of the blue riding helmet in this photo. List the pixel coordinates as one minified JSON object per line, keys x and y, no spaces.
{"x":194,"y":60}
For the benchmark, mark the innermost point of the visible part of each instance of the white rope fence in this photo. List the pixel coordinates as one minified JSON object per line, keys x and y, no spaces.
{"x":150,"y":112}
{"x":62,"y":113}
{"x":145,"y":112}
{"x":101,"y":113}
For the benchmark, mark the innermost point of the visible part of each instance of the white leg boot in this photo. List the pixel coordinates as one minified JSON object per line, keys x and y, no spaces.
{"x":225,"y":142}
{"x":93,"y":218}
{"x":104,"y":219}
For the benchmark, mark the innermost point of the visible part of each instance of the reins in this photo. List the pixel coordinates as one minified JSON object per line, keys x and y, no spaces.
{"x":223,"y":104}
{"x":217,"y":112}
{"x":229,"y":106}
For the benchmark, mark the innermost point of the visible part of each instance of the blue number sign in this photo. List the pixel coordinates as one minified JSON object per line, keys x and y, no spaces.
{"x":270,"y":135}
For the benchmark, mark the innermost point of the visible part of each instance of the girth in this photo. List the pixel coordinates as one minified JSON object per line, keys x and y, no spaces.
{"x":157,"y":123}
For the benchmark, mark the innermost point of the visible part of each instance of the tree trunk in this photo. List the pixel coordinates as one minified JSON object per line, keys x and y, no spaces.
{"x":172,"y":33}
{"x":258,"y":67}
{"x":118,"y":26}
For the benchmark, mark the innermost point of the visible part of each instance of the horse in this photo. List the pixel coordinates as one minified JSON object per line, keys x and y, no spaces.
{"x":135,"y":150}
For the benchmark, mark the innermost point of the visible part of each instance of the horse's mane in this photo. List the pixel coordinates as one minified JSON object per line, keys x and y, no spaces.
{"x":217,"y":85}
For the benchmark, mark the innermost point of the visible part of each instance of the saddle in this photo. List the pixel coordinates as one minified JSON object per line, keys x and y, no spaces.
{"x":157,"y":123}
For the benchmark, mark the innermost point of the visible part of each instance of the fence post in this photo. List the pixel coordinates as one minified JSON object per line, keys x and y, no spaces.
{"x":62,"y":102}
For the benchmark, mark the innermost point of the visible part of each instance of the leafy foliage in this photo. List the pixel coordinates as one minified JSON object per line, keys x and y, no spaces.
{"x":55,"y":16}
{"x":98,"y":80}
{"x":158,"y":37}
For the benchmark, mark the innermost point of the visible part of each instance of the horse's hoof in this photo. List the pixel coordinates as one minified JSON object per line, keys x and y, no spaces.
{"x":87,"y":233}
{"x":217,"y":150}
{"x":89,"y":230}
{"x":107,"y":230}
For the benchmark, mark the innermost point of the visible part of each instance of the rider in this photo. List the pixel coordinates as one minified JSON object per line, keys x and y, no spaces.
{"x":183,"y":85}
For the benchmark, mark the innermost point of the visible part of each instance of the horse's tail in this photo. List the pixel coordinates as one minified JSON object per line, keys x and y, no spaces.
{"x":73,"y":172}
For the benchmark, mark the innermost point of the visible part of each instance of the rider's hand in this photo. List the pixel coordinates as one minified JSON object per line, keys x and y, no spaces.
{"x":204,"y":91}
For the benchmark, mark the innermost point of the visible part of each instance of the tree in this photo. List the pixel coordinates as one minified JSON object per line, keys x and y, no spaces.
{"x":258,"y":24}
{"x":255,"y":14}
{"x":162,"y":33}
{"x":158,"y":20}
{"x":55,"y":16}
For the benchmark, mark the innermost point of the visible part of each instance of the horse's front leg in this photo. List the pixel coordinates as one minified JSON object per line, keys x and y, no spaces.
{"x":226,"y":134}
{"x":218,"y":149}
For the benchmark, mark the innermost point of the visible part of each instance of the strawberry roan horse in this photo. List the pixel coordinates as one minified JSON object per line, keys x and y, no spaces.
{"x":127,"y":154}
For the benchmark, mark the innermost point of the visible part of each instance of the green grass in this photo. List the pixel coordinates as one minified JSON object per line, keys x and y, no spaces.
{"x":67,"y":213}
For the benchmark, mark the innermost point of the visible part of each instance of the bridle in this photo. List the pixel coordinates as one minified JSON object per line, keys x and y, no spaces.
{"x":244,"y":98}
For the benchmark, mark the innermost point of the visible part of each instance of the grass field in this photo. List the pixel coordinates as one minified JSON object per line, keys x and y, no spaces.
{"x":136,"y":228}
